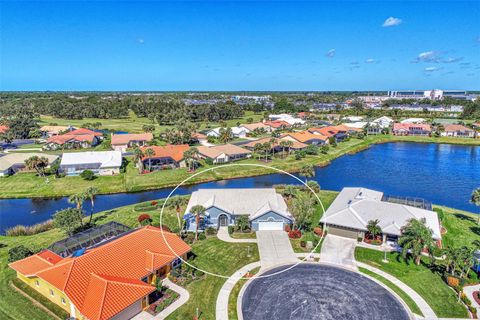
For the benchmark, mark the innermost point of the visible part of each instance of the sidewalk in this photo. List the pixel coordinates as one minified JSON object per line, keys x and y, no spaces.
{"x":223,"y":235}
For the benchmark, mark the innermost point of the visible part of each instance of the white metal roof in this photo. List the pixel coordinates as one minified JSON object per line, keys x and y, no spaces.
{"x":18,"y":158}
{"x":251,"y":202}
{"x":106,"y":159}
{"x":354,"y":207}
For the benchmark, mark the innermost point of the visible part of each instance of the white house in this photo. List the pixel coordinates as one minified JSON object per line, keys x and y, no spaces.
{"x":100,"y":162}
{"x":383,"y":122}
{"x":356,"y":125}
{"x":350,"y":212}
{"x":237,"y":132}
{"x":287,"y":118}
{"x":354,"y":118}
{"x":265,"y":208}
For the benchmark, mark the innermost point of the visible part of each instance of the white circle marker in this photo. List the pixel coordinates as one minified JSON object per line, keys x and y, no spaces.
{"x":232,"y":165}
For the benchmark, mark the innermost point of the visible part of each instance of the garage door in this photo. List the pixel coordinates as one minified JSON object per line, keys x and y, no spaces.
{"x":270,"y":225}
{"x":346,"y":233}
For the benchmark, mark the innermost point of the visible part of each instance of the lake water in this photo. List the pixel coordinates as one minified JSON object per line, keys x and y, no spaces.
{"x":440,"y":173}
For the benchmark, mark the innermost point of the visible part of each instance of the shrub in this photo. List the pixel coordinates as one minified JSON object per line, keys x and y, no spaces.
{"x":303,"y":243}
{"x":311,"y":150}
{"x":210,"y":231}
{"x":202,"y":236}
{"x":87,"y":175}
{"x":318,"y":231}
{"x":18,"y":253}
{"x":287,"y":228}
{"x":295,"y":234}
{"x":452,"y":281}
{"x":209,"y":161}
{"x":154,"y":203}
{"x":359,"y":239}
{"x":30,"y":230}
{"x":189,"y":238}
{"x":144,"y":219}
{"x":324,"y":149}
{"x":165,"y":228}
{"x":313,"y":185}
{"x":231,"y":229}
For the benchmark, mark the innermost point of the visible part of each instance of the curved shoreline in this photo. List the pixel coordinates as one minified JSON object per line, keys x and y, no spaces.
{"x":295,"y":167}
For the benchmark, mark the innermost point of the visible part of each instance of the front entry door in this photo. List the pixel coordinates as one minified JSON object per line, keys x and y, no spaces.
{"x":223,"y":221}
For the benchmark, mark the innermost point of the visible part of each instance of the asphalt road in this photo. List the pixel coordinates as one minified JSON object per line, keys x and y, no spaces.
{"x":311,"y":291}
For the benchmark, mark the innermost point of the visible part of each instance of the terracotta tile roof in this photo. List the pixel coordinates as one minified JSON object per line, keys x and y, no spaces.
{"x":36,"y":263}
{"x":456,"y":127}
{"x":106,"y":279}
{"x":408,"y":126}
{"x":277,"y":123}
{"x":305,"y":136}
{"x":215,"y":151}
{"x":296,"y":144}
{"x":107,"y":295}
{"x":83,"y":131}
{"x":121,"y":139}
{"x":64,"y":138}
{"x":54,"y":129}
{"x":169,"y":151}
{"x":3,"y":129}
{"x":198,"y":135}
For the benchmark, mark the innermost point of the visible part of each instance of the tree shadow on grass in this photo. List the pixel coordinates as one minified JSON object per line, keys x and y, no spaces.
{"x":475,"y":230}
{"x":464,"y":217}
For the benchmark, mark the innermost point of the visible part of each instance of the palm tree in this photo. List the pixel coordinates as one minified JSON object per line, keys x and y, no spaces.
{"x":176,"y":202}
{"x":149,"y":153}
{"x":266,"y":147}
{"x":475,"y":199}
{"x":77,"y":199}
{"x":416,"y":237}
{"x":190,"y":156}
{"x":37,"y":163}
{"x":198,"y":211}
{"x":373,"y":228}
{"x":289,"y":191}
{"x":307,"y":171}
{"x":91,"y":193}
{"x":283,"y":144}
{"x":137,"y":155}
{"x":257,"y":148}
{"x":272,"y":142}
{"x":289,"y":145}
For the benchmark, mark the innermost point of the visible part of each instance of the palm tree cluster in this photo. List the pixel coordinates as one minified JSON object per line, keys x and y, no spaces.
{"x":37,"y":163}
{"x":416,"y":238}
{"x":79,"y":198}
{"x":459,"y":260}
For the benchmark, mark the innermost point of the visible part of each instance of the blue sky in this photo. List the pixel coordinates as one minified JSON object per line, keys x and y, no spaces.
{"x":66,"y":45}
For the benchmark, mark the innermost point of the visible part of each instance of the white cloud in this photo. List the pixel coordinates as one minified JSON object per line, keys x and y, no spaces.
{"x":427,"y":56}
{"x":331,"y":53}
{"x":391,"y":22}
{"x":141,"y":40}
{"x":431,"y":69}
{"x":370,"y":60}
{"x":452,"y":60}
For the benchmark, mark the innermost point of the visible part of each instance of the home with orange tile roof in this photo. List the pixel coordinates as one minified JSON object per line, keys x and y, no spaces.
{"x":411,"y":129}
{"x":121,"y":142}
{"x":223,"y":153}
{"x":277,"y":124}
{"x":339,"y":132}
{"x":163,"y":157}
{"x":306,"y":137}
{"x":457,"y":130}
{"x":276,"y":146}
{"x":75,"y":139}
{"x":113,"y":280}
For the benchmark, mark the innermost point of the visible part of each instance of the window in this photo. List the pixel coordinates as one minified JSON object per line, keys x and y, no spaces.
{"x":51,"y":293}
{"x":63,"y":300}
{"x":37,"y":283}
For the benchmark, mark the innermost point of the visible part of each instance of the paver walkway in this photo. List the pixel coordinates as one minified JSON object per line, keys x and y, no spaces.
{"x":339,"y":250}
{"x":223,"y":235}
{"x":224,"y":294}
{"x":184,"y":296}
{"x":275,"y":249}
{"x":421,"y":303}
{"x":469,"y":292}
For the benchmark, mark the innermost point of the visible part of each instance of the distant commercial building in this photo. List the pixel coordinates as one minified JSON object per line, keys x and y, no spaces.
{"x":434,"y":94}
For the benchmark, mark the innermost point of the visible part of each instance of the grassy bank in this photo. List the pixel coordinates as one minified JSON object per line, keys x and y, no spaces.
{"x":405,"y":297}
{"x":28,"y":185}
{"x":426,"y":283}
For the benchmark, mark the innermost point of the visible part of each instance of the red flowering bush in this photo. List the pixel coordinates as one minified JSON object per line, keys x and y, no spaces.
{"x":318,"y":231}
{"x":165,"y":228}
{"x":295,"y":234}
{"x":144,"y":219}
{"x":154,"y":203}
{"x":287,"y":228}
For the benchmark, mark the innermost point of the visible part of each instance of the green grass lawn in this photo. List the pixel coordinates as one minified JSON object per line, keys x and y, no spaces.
{"x":243,"y":235}
{"x":462,"y":227}
{"x":232,"y":300}
{"x":424,"y":281}
{"x":405,"y":297}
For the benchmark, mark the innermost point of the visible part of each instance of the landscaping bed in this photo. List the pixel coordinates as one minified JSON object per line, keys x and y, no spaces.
{"x":168,"y":297}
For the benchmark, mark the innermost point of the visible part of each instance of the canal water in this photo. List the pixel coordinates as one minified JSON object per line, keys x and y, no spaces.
{"x":440,"y":173}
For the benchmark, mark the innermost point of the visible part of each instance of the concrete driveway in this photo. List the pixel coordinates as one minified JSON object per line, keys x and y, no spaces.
{"x":339,"y":250}
{"x":275,"y":248}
